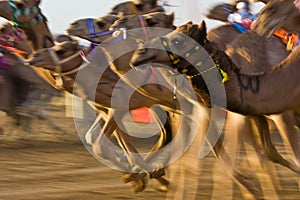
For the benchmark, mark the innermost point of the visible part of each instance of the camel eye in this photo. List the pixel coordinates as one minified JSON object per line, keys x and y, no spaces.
{"x":150,"y":22}
{"x":20,"y":6}
{"x":100,"y":24}
{"x":60,"y":52}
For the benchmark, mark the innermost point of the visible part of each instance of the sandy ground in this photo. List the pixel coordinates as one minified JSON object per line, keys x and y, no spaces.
{"x":54,"y":164}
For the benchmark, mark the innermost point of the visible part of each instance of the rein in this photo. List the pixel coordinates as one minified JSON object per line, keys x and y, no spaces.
{"x":22,"y":12}
{"x":58,"y":63}
{"x":58,"y":66}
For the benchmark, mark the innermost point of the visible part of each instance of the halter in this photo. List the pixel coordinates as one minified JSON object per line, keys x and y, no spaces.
{"x":174,"y":61}
{"x":12,"y":37}
{"x":93,"y":35}
{"x":21,"y":12}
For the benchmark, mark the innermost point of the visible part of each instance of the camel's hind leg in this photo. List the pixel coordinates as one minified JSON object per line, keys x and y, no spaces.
{"x":286,"y":125}
{"x":268,"y":147}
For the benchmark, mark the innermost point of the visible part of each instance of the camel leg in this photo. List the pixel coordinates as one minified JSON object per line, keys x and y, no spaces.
{"x":268,"y":147}
{"x":285,"y":123}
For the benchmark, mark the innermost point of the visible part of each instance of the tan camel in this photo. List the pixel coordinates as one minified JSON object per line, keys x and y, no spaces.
{"x":103,"y":93}
{"x":238,"y":92}
{"x":139,"y":7}
{"x":109,"y":78}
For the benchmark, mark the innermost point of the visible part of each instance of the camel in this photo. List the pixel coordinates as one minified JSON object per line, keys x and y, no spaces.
{"x":237,"y":92}
{"x":268,"y":52}
{"x":109,"y":79}
{"x":137,"y":7}
{"x":34,"y":24}
{"x":102,"y":96}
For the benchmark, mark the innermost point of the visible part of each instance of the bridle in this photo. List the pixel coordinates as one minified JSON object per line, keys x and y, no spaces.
{"x":175,"y":60}
{"x":58,"y":74}
{"x":93,"y":34}
{"x":12,"y":37}
{"x":22,"y":12}
{"x":58,"y":63}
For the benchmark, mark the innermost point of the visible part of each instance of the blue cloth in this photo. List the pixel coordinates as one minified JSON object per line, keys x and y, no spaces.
{"x":239,"y":27}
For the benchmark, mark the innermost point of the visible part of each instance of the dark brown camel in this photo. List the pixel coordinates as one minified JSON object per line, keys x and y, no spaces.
{"x":238,"y":91}
{"x":267,"y":53}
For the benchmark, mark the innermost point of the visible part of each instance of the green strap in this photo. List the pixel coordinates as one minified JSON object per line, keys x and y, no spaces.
{"x":26,"y":11}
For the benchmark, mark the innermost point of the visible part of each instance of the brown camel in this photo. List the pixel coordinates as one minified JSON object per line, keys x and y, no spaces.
{"x":104,"y":89}
{"x":267,"y":53}
{"x":109,"y":79}
{"x":278,"y":14}
{"x":238,"y":93}
{"x":139,"y":7}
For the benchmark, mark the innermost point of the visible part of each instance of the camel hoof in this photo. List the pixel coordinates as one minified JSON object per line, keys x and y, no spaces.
{"x":139,"y":181}
{"x":140,"y":185}
{"x":126,"y":178}
{"x":157,"y":173}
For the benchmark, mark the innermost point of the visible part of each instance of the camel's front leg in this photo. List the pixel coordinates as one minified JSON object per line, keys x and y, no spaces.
{"x":104,"y":148}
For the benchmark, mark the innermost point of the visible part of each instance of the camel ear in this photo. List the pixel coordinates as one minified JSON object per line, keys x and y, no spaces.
{"x":202,"y":27}
{"x":171,"y":16}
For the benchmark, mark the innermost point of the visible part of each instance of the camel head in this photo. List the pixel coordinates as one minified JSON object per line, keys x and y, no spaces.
{"x":14,"y":37}
{"x":172,"y":49}
{"x":274,"y":15}
{"x":144,"y":27}
{"x":9,"y":10}
{"x":139,"y":7}
{"x":156,"y":19}
{"x":92,"y":29}
{"x":54,"y":57}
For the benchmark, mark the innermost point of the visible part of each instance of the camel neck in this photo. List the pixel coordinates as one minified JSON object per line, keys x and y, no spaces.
{"x":39,"y":35}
